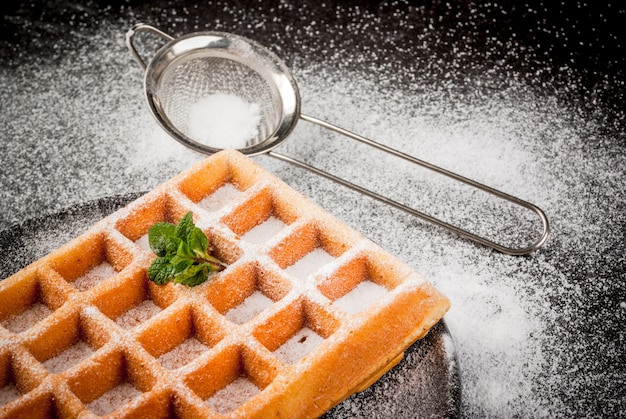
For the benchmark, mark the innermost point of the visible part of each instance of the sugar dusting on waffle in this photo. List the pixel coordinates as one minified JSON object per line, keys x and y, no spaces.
{"x":288,"y":328}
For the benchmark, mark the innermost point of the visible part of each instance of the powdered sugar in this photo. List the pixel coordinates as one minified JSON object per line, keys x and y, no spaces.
{"x":233,"y":395}
{"x":223,"y":120}
{"x":8,"y":393}
{"x":221,"y":197}
{"x":113,"y":399}
{"x":138,"y":314}
{"x":298,"y":346}
{"x":23,"y":321}
{"x":250,"y":307}
{"x":183,"y":354}
{"x":69,"y":357}
{"x":94,"y":276}
{"x":361,"y":297}
{"x":264,"y":231}
{"x":309,"y":264}
{"x":143,"y":242}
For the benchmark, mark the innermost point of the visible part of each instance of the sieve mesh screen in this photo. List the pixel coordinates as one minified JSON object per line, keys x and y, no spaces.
{"x":189,"y":80}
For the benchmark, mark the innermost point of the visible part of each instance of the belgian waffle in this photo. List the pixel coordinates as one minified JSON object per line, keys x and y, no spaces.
{"x":307,"y":312}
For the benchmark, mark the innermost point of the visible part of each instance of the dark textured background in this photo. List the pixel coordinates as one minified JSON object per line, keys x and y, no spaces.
{"x":546,"y":76}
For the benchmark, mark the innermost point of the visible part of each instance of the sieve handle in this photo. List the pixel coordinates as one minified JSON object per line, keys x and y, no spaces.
{"x":545,"y":230}
{"x":141,"y":27}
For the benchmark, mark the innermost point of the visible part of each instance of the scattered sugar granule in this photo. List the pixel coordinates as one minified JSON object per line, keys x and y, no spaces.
{"x":183,"y":354}
{"x":68,"y":358}
{"x":138,"y":314}
{"x":224,"y":120}
{"x":113,"y":399}
{"x":143,"y":243}
{"x":310,"y":263}
{"x":94,"y":276}
{"x":250,"y":307}
{"x":25,"y":320}
{"x":264,"y":231}
{"x":233,"y":395}
{"x":220,"y":198}
{"x":9,"y":393}
{"x":361,"y":297}
{"x":298,"y":346}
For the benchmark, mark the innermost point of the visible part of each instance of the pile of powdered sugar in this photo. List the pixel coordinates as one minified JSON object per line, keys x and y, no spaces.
{"x":224,"y":120}
{"x":521,"y":325}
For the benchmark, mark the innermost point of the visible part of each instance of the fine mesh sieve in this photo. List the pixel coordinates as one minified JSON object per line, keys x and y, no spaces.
{"x":193,"y":78}
{"x":194,"y":66}
{"x":197,"y":65}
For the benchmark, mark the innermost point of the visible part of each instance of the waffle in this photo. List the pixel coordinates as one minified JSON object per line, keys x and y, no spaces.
{"x":307,"y":312}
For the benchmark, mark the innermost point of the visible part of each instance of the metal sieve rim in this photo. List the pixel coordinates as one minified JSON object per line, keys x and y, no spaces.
{"x":228,"y":46}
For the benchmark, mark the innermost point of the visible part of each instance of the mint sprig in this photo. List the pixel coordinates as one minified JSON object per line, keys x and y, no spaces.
{"x":182,"y":253}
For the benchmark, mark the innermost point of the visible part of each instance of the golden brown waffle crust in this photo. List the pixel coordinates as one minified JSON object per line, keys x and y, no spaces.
{"x":355,"y":350}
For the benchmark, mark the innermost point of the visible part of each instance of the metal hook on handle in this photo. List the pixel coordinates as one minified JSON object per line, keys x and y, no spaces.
{"x":464,"y":233}
{"x":141,"y":27}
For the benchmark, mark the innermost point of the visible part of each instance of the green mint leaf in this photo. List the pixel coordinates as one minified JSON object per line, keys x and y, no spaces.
{"x":161,"y":271}
{"x":160,"y":236}
{"x":171,"y":247}
{"x":198,"y":242}
{"x":193,"y":275}
{"x":183,"y":255}
{"x":184,"y":251}
{"x":180,"y":264}
{"x":185,"y":226}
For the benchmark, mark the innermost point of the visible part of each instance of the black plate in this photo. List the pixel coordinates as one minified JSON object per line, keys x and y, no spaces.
{"x":425,"y":384}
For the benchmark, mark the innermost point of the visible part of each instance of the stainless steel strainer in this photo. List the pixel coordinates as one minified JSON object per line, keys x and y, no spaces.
{"x":189,"y":68}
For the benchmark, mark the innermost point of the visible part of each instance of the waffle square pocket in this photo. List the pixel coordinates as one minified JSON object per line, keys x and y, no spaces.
{"x":304,"y":313}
